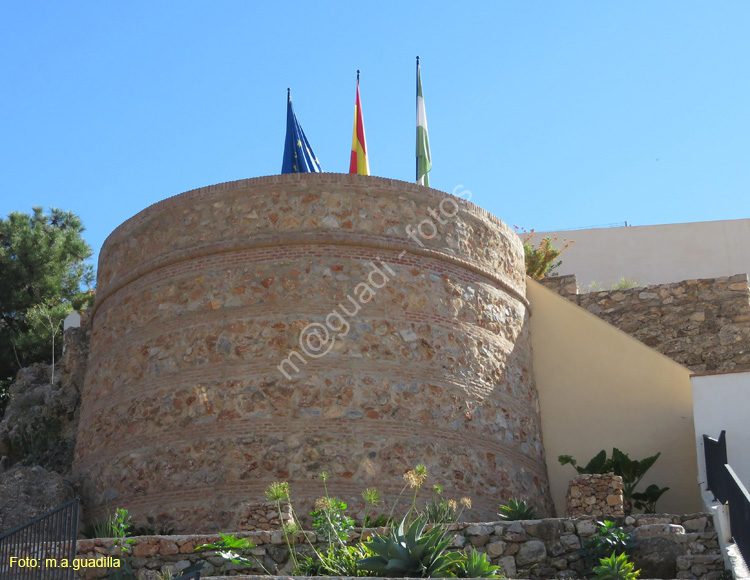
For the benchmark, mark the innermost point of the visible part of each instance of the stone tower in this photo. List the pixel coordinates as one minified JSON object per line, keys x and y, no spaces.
{"x":273,"y":328}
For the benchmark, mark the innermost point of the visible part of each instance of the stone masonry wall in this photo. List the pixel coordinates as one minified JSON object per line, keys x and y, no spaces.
{"x":701,"y":324}
{"x":566,"y":285}
{"x":666,"y":547}
{"x":202,"y":297}
{"x":595,"y":494}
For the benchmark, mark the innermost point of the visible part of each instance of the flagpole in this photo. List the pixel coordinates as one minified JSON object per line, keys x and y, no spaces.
{"x":416,"y":93}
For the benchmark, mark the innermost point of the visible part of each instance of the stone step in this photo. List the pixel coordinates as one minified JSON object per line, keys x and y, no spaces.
{"x":703,"y":566}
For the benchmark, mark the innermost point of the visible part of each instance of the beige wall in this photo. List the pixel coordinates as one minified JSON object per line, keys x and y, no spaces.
{"x":656,"y":254}
{"x":600,"y":388}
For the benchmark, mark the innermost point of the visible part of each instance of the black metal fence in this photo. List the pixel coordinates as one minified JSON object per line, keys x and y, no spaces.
{"x":42,"y":549}
{"x":716,"y":458}
{"x":727,"y":488}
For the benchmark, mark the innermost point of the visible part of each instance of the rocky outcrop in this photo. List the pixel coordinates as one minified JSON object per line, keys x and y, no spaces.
{"x":41,"y":420}
{"x":26,"y":492}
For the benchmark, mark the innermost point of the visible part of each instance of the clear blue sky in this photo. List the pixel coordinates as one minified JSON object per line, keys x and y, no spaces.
{"x":554,"y":114}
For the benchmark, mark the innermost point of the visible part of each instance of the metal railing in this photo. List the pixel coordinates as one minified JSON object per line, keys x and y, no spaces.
{"x":728,"y":489}
{"x":43,"y":548}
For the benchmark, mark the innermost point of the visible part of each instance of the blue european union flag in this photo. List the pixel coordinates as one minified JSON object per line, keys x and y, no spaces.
{"x":298,"y":155}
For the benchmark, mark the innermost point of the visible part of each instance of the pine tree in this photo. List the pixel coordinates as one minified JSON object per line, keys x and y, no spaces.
{"x":42,"y":268}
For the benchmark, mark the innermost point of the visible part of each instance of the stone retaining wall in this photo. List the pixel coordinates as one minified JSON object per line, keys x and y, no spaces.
{"x":701,"y":324}
{"x":666,"y":546}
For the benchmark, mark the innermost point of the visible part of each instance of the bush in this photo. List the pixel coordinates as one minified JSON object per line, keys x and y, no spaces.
{"x":541,"y":260}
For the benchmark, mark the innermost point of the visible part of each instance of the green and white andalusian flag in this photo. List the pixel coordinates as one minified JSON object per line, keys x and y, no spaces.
{"x":424,"y":163}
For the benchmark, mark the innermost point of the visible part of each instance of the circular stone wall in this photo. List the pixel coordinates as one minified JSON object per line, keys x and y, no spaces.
{"x":220,"y":359}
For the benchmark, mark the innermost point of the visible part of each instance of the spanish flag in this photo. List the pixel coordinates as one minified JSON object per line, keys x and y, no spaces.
{"x":359,"y":162}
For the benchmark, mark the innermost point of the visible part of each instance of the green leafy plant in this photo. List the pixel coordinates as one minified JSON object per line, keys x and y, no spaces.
{"x":231,"y":549}
{"x":516,"y":510}
{"x":476,"y":565}
{"x":336,"y":561}
{"x":120,"y":526}
{"x":413,"y":553}
{"x":646,"y":500}
{"x":329,"y":520}
{"x":631,"y":470}
{"x":616,"y":567}
{"x":597,"y":464}
{"x":438,"y":510}
{"x":607,"y":539}
{"x":371,"y":496}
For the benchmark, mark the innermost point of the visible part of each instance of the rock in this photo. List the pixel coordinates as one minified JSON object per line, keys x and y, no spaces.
{"x":556,"y":549}
{"x":168,"y":548}
{"x":586,"y":527}
{"x":479,"y":541}
{"x":496,"y":549}
{"x":40,"y":424}
{"x":144,"y":550}
{"x":26,"y":492}
{"x":655,"y":530}
{"x":479,"y":530}
{"x":695,"y":525}
{"x":278,"y":554}
{"x":508,"y":565}
{"x":408,"y":335}
{"x":458,"y":541}
{"x":515,"y":533}
{"x":532,"y":552}
{"x":570,"y":542}
{"x":544,"y":529}
{"x":656,"y":557}
{"x":181,"y":565}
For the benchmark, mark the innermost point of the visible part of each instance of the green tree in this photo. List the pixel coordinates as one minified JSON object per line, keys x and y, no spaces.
{"x":42,"y":268}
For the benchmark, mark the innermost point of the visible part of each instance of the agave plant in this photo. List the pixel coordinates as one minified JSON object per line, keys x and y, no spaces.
{"x":413,"y":553}
{"x":476,"y":565}
{"x":616,"y":567}
{"x":516,"y":510}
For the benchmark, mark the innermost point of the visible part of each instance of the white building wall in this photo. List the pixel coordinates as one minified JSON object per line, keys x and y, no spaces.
{"x":655,"y":254}
{"x":722,"y":402}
